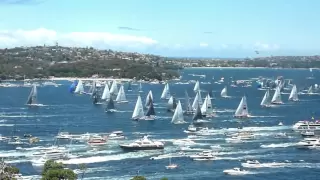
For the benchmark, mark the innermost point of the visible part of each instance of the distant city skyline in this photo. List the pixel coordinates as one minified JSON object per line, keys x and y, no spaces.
{"x":219,"y":28}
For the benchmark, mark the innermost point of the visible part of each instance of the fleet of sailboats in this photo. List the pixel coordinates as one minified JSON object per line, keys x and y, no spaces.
{"x":242,"y":110}
{"x":166,"y":92}
{"x":276,"y":99}
{"x":177,"y":117}
{"x":121,"y":97}
{"x":266,"y":99}
{"x":138,"y":112}
{"x":294,"y":94}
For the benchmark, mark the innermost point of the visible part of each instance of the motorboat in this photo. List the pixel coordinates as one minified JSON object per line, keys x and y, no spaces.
{"x":97,"y":141}
{"x":304,"y":125}
{"x":64,"y":135}
{"x":184,"y":142}
{"x":280,"y":124}
{"x":2,"y":138}
{"x":53,"y":152}
{"x":249,"y":163}
{"x":115,"y":135}
{"x":308,"y":142}
{"x":204,"y":155}
{"x":15,"y":140}
{"x":192,"y":129}
{"x":307,"y":133}
{"x":234,"y":139}
{"x":235,"y":171}
{"x":143,"y":144}
{"x":281,"y":135}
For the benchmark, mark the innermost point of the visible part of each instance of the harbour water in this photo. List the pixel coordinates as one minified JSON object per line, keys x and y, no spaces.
{"x":63,"y":111}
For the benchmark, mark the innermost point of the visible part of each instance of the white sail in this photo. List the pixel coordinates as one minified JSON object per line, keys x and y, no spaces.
{"x":265,"y":99}
{"x":140,"y":87}
{"x":224,"y":92}
{"x":79,"y":88}
{"x":177,"y":117}
{"x":276,"y":99}
{"x":196,"y":87}
{"x":150,"y":95}
{"x":166,"y":92}
{"x":114,"y":88}
{"x":199,"y":98}
{"x":310,"y":90}
{"x":294,"y":94}
{"x":106,"y":93}
{"x":121,"y":97}
{"x":138,"y":112}
{"x":242,"y":110}
{"x":195,"y":101}
{"x":204,"y":107}
{"x":209,"y":102}
{"x":149,"y":98}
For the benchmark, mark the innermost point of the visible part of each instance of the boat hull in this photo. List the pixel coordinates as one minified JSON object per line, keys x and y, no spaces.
{"x":136,"y":148}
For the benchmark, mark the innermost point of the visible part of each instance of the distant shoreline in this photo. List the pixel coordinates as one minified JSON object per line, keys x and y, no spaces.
{"x":87,"y":79}
{"x":204,"y":67}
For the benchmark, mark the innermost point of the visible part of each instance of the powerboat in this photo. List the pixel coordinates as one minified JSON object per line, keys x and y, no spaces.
{"x":64,"y":135}
{"x":235,"y":171}
{"x":257,"y":164}
{"x":53,"y":152}
{"x":171,"y":165}
{"x":254,"y":163}
{"x":307,"y":133}
{"x":97,"y":141}
{"x":115,"y":135}
{"x":234,"y":139}
{"x":204,"y":155}
{"x":184,"y":142}
{"x":281,"y":135}
{"x":308,"y":143}
{"x":143,"y":144}
{"x":304,"y":125}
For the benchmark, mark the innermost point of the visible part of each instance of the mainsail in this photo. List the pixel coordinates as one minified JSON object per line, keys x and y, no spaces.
{"x":79,"y":89}
{"x":224,"y":92}
{"x":172,"y":103}
{"x":151,"y":111}
{"x":197,"y":100}
{"x":166,"y":92}
{"x":197,"y":115}
{"x":177,"y":117}
{"x":114,"y":88}
{"x":187,"y":104}
{"x":149,"y":99}
{"x":206,"y":108}
{"x":121,"y":97}
{"x":106,"y":93}
{"x":196,"y":87}
{"x":294,"y":94}
{"x":32,"y":99}
{"x":265,"y":99}
{"x":276,"y":99}
{"x":140,"y":87}
{"x":242,"y":110}
{"x":138,"y":112}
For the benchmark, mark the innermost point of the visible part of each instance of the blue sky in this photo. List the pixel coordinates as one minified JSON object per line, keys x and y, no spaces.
{"x":216,"y":28}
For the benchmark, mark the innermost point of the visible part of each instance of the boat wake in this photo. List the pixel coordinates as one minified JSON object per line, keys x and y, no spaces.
{"x":281,"y":145}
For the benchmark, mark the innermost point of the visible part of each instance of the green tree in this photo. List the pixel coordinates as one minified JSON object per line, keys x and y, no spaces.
{"x":139,"y":178}
{"x":56,"y":171}
{"x":7,"y":172}
{"x":164,"y":178}
{"x":83,"y":168}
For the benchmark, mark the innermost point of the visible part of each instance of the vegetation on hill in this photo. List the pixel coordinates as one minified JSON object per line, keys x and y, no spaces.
{"x":43,"y":61}
{"x":56,"y":171}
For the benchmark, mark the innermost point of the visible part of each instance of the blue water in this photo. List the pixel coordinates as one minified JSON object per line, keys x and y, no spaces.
{"x":76,"y":114}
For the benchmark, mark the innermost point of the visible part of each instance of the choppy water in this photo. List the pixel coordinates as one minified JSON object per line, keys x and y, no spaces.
{"x":76,"y":114}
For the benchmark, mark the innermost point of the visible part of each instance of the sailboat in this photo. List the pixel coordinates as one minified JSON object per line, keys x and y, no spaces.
{"x":150,"y":115}
{"x":224,"y":92}
{"x":121,"y":97}
{"x":177,"y":117}
{"x":79,"y":89}
{"x":196,"y":87}
{"x":310,"y":90}
{"x":32,"y":98}
{"x":242,"y":110}
{"x":138,"y":113}
{"x":294,"y":94}
{"x":166,"y":92}
{"x":276,"y":99}
{"x":172,"y":104}
{"x":129,"y":86}
{"x":96,"y":97}
{"x":110,"y":106}
{"x":197,"y":117}
{"x":171,"y":166}
{"x":106,"y":93}
{"x":265,"y":100}
{"x":206,"y":108}
{"x":149,"y":99}
{"x":187,"y":104}
{"x":114,"y":88}
{"x":93,"y":88}
{"x":197,"y":100}
{"x":140,"y":88}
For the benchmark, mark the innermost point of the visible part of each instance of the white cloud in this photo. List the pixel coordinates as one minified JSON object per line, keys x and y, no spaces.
{"x":96,"y":39}
{"x":204,"y":44}
{"x":265,"y":46}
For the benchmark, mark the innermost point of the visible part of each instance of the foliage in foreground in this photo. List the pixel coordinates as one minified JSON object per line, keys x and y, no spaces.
{"x":56,"y":171}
